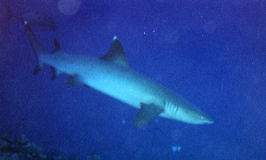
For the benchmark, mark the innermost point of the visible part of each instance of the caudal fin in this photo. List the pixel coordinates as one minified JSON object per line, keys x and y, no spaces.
{"x":9,"y":13}
{"x":36,"y":19}
{"x":35,"y":44}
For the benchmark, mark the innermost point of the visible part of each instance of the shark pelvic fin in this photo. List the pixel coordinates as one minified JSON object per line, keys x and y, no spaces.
{"x":116,"y":53}
{"x":146,"y":113}
{"x":55,"y":73}
{"x":73,"y":81}
{"x":37,"y":70}
{"x":57,"y":48}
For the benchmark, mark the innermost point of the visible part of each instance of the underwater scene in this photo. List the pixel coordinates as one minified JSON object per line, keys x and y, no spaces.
{"x":132,"y":80}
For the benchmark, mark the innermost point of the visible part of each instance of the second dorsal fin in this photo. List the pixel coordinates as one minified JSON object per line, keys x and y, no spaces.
{"x":116,"y":53}
{"x":57,"y":46}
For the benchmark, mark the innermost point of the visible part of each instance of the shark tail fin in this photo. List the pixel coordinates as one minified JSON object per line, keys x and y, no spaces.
{"x":9,"y":13}
{"x":42,"y":21}
{"x":36,"y":46}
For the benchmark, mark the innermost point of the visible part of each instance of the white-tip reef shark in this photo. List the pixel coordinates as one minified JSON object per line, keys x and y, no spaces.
{"x":112,"y":75}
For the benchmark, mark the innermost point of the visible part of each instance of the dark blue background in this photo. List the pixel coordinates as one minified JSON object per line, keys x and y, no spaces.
{"x":211,"y":52}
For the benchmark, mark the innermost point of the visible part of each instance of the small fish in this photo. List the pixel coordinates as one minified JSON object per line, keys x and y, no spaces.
{"x":37,"y":19}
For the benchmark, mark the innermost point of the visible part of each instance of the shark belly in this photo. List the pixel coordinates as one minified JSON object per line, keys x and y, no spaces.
{"x":116,"y":81}
{"x":119,"y":84}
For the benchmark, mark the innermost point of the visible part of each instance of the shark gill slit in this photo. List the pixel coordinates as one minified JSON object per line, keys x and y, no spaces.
{"x":170,"y":107}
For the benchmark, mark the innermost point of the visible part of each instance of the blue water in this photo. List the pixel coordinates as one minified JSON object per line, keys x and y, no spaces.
{"x":211,"y":52}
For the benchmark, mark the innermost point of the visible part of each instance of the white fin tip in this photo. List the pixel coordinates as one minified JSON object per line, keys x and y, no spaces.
{"x":114,"y":38}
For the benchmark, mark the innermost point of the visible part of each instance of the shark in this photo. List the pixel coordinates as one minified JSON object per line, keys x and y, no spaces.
{"x":112,"y":75}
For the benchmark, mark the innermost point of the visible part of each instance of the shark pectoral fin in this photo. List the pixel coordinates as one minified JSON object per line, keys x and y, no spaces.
{"x":73,"y":81}
{"x":146,"y":113}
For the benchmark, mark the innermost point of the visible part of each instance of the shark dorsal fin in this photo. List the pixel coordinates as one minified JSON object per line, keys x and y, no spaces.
{"x":116,"y":53}
{"x":57,"y":46}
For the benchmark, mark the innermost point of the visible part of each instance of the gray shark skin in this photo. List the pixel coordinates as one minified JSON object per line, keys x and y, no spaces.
{"x":112,"y":75}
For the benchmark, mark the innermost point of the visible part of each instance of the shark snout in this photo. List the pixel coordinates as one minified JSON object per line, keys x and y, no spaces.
{"x":198,"y":117}
{"x":202,"y":118}
{"x":207,"y":120}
